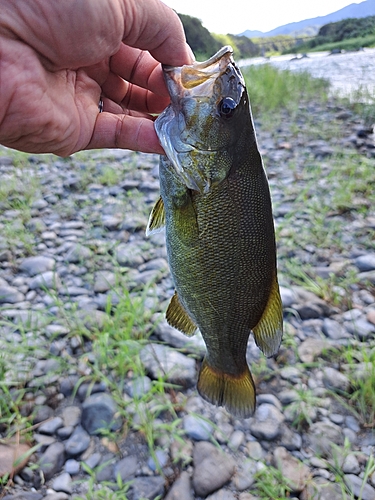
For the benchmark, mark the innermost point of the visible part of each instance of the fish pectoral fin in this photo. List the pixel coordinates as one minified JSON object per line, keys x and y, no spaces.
{"x":235,"y":392}
{"x":156,"y":222}
{"x":179,"y":318}
{"x":269,"y":330}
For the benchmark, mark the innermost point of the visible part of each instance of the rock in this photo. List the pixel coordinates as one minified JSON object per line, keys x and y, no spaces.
{"x":37,"y":265}
{"x":129,"y":255}
{"x":333,"y":379}
{"x":24,"y":495}
{"x":181,"y":488}
{"x":320,"y":488}
{"x":71,"y":415}
{"x":161,"y":461}
{"x":334,"y":330}
{"x":72,"y":467}
{"x":10,"y":457}
{"x":52,"y":460}
{"x":290,"y":440}
{"x":77,"y":443}
{"x":266,"y":423}
{"x":48,"y":280}
{"x":245,"y":475}
{"x":222,"y":495}
{"x":236,"y":439}
{"x":196,"y":428}
{"x":78,"y":253}
{"x":351,"y":464}
{"x":321,"y":437}
{"x":310,"y":348}
{"x":106,"y":468}
{"x":360,"y":489}
{"x":10,"y":295}
{"x":360,"y":328}
{"x":288,"y":297}
{"x":295,"y":472}
{"x":50,"y":426}
{"x":126,"y":468}
{"x":138,"y":387}
{"x":104,"y":281}
{"x":212,"y":468}
{"x":365,"y":262}
{"x":255,"y":450}
{"x":177,"y":339}
{"x":99,"y":412}
{"x":63,"y":483}
{"x":147,"y":487}
{"x":162,"y":361}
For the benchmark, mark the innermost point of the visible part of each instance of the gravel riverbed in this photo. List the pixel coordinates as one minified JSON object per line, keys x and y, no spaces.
{"x":73,"y":235}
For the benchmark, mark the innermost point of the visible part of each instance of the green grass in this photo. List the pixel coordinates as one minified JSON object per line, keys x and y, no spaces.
{"x":348,"y":44}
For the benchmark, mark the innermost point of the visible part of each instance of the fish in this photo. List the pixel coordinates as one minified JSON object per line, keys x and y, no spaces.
{"x":216,"y":208}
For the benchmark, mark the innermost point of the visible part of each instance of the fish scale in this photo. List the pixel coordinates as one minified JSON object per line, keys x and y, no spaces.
{"x":216,"y":207}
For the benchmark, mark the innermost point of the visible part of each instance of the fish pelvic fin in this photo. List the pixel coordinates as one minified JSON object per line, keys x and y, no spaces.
{"x":179,"y":318}
{"x":156,"y":222}
{"x":269,"y":330}
{"x":235,"y":392}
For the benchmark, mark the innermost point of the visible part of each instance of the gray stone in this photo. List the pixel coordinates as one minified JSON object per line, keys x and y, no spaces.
{"x":290,"y":440}
{"x":161,"y":461}
{"x":254,"y":450}
{"x":77,"y":443}
{"x":360,"y":328}
{"x":236,"y":439}
{"x":181,"y":488}
{"x":37,"y":265}
{"x":93,"y":460}
{"x":196,"y":428}
{"x":162,"y":361}
{"x":51,"y":426}
{"x":71,"y":415}
{"x":213,"y":468}
{"x":174,"y":338}
{"x":78,"y":253}
{"x":360,"y":489}
{"x":322,"y":435}
{"x":63,"y":483}
{"x":147,"y":487}
{"x":222,"y":495}
{"x":333,"y":379}
{"x":104,"y":281}
{"x":288,"y":297}
{"x":295,"y":472}
{"x":129,"y":255}
{"x":106,"y":468}
{"x":266,"y":423}
{"x":126,"y":468}
{"x":365,"y":262}
{"x":351,"y":464}
{"x":245,"y":475}
{"x":99,"y":412}
{"x":24,"y":495}
{"x":10,"y":295}
{"x":49,"y":280}
{"x":138,"y":387}
{"x":52,"y":460}
{"x":334,"y":330}
{"x":72,"y":467}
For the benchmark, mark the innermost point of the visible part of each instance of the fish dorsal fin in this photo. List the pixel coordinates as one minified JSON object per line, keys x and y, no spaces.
{"x":179,"y":318}
{"x":156,"y":221}
{"x":269,"y":330}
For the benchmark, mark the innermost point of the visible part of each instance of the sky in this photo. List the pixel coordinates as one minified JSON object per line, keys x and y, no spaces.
{"x":236,"y":16}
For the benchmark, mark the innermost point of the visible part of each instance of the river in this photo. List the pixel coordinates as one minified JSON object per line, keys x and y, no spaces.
{"x":347,"y":72}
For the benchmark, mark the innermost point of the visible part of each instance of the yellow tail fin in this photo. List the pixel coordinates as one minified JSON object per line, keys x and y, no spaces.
{"x":235,"y":393}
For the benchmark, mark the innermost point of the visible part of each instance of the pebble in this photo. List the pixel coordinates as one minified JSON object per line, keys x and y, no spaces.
{"x":126,"y":468}
{"x":77,"y":443}
{"x":181,"y":488}
{"x":147,"y":487}
{"x":266,"y":423}
{"x":196,"y":428}
{"x":365,"y":262}
{"x":295,"y":472}
{"x":358,"y":488}
{"x":37,"y":265}
{"x":63,"y":483}
{"x":99,"y":413}
{"x":52,"y":459}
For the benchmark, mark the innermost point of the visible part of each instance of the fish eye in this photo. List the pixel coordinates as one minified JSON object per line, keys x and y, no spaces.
{"x":227,"y":107}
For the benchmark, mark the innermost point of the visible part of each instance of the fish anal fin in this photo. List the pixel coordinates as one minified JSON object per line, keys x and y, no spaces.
{"x":269,"y":330}
{"x":235,"y":392}
{"x":179,"y":318}
{"x":156,"y":221}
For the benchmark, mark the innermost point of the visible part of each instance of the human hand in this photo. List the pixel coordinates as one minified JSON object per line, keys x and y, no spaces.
{"x":58,"y":58}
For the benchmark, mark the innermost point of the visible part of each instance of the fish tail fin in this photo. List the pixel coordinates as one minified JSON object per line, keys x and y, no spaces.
{"x":235,"y":392}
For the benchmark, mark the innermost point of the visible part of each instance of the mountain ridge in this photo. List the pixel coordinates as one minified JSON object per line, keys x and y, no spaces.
{"x":355,"y":10}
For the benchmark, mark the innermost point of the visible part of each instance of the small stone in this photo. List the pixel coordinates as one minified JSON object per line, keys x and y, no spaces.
{"x":360,"y":328}
{"x":322,"y":435}
{"x":222,"y":495}
{"x":254,"y":450}
{"x":213,"y":468}
{"x":295,"y":472}
{"x":93,"y":460}
{"x":365,"y":262}
{"x":334,"y":330}
{"x":104,"y":281}
{"x":244,"y":476}
{"x":236,"y":439}
{"x":351,"y":465}
{"x":196,"y":428}
{"x":181,"y":488}
{"x":126,"y":468}
{"x":71,"y":415}
{"x":162,"y":361}
{"x":72,"y":467}
{"x":266,"y":423}
{"x":147,"y":487}
{"x":77,"y":443}
{"x":161,"y":460}
{"x":63,"y":483}
{"x":288,"y":297}
{"x":37,"y":265}
{"x":290,"y":440}
{"x":50,"y":426}
{"x":360,"y":489}
{"x":10,"y":295}
{"x":333,"y":379}
{"x":52,"y":460}
{"x":78,"y":253}
{"x":48,"y":280}
{"x":99,"y":413}
{"x":138,"y":387}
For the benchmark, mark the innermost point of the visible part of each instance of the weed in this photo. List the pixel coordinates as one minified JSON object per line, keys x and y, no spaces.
{"x":270,"y":483}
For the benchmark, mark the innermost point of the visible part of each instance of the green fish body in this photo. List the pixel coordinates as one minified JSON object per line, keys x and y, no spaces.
{"x":216,"y":207}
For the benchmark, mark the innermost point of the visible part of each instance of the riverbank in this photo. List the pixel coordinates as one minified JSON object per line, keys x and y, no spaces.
{"x":84,"y":344}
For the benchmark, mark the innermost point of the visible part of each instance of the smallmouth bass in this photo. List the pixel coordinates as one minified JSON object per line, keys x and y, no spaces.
{"x":215,"y":205}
